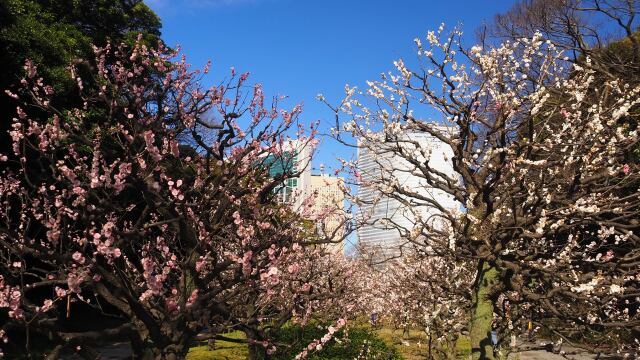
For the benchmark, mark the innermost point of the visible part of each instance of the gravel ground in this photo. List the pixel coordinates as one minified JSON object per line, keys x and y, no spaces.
{"x":569,"y":352}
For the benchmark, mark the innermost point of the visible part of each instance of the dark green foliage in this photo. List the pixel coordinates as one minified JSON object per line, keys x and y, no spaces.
{"x":101,"y":20}
{"x":621,"y":58}
{"x":355,"y":342}
{"x":55,"y":33}
{"x":30,"y":32}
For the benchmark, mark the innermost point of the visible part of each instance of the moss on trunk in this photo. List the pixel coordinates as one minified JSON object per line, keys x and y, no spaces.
{"x":482,"y":316}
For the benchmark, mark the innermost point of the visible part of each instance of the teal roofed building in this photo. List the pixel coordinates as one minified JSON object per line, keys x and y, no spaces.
{"x":294,"y":157}
{"x":318,"y":198}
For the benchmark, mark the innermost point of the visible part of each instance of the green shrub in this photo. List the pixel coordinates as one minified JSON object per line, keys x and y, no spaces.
{"x":293,"y":339}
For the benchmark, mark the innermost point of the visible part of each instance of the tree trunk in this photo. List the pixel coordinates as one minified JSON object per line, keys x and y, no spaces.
{"x":482,"y":316}
{"x":252,"y":330}
{"x":168,"y":353}
{"x":256,"y":350}
{"x":141,"y":351}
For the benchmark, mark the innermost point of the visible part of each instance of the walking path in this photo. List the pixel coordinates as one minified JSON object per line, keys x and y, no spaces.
{"x":541,"y":354}
{"x":568,"y":352}
{"x":536,"y":355}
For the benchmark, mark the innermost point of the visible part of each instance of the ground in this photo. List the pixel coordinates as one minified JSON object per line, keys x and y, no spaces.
{"x":412,"y":346}
{"x":222,"y":350}
{"x":569,"y":352}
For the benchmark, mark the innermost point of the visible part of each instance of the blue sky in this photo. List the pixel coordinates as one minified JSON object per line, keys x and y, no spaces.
{"x":300,"y":48}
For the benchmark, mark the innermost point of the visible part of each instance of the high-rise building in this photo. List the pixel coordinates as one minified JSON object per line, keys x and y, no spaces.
{"x":318,"y":198}
{"x":385,"y":220}
{"x":327,"y":208}
{"x":293,"y":157}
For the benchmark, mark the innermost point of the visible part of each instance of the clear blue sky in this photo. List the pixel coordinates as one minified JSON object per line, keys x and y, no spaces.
{"x":301,"y":48}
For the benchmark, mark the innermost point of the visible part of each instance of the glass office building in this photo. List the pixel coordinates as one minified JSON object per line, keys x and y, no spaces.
{"x":385,"y":220}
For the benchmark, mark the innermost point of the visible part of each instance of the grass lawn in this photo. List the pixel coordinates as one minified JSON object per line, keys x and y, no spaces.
{"x":413,"y":347}
{"x":223,"y":350}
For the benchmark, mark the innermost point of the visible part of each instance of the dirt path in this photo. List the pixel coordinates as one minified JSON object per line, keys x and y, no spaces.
{"x":537,"y":355}
{"x":570,"y":353}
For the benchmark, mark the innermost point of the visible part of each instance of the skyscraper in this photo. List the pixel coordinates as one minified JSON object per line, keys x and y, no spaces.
{"x":327,"y":208}
{"x":386,"y":219}
{"x":318,"y":198}
{"x":294,"y":157}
